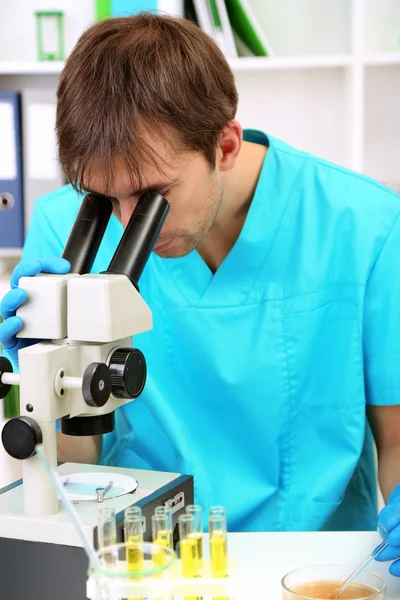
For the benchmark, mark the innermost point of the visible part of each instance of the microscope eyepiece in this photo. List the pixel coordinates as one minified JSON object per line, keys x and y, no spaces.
{"x":87,"y":232}
{"x":139,"y":237}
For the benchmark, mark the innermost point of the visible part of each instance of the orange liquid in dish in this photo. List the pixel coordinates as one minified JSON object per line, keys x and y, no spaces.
{"x":326,"y":590}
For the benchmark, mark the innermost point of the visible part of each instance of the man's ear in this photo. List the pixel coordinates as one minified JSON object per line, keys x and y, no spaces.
{"x":229,"y":144}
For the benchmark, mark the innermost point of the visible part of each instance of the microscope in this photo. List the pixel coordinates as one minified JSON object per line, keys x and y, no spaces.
{"x":81,"y":370}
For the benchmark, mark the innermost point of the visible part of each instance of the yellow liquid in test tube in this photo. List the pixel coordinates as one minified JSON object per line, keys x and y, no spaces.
{"x":218,"y":544}
{"x":161,"y":525}
{"x":189,"y":548}
{"x":198,"y":538}
{"x":219,"y":554}
{"x":160,"y":558}
{"x":134,"y":555}
{"x":189,"y":557}
{"x":164,"y":538}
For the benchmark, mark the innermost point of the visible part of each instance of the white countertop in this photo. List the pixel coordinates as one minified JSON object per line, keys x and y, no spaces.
{"x":259,"y":561}
{"x":264,"y":558}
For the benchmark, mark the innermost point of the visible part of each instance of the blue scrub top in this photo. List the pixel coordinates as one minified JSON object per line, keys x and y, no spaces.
{"x":259,"y":375}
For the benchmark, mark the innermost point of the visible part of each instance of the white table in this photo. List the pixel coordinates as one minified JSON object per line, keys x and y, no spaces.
{"x":260,"y":560}
{"x":265,"y":558}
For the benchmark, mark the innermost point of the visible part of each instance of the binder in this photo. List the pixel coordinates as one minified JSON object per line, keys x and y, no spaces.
{"x":207,"y":19}
{"x":246,"y":27}
{"x":229,"y":46}
{"x":11,"y":198}
{"x":41,"y":170}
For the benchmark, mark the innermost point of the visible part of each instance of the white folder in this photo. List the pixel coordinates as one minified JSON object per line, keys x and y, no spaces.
{"x":41,"y":171}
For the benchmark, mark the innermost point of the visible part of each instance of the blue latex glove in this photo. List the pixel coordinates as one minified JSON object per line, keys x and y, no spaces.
{"x":17,"y":296}
{"x":389,"y":528}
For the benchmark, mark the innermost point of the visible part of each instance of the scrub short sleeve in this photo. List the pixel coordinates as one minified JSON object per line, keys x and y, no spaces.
{"x":381,"y":330}
{"x":41,"y":240}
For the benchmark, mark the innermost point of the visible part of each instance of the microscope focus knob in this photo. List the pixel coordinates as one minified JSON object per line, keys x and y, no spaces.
{"x":96,"y":384}
{"x":20,"y":436}
{"x":128,"y":372}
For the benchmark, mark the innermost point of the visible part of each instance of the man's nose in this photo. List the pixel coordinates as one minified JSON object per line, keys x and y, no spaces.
{"x":127,"y":207}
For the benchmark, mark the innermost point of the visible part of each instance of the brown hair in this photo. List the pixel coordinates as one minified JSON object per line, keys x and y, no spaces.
{"x":130,"y":74}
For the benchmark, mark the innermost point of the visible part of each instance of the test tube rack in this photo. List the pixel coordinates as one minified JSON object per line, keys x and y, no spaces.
{"x":173,"y":584}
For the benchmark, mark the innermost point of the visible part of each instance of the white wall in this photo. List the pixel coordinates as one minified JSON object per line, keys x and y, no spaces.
{"x":18,"y":25}
{"x":296,"y":27}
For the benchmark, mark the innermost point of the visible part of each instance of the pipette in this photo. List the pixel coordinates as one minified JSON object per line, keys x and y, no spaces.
{"x":359,"y":569}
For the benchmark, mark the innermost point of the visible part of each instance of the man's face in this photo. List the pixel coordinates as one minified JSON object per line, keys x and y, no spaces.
{"x":187,"y":181}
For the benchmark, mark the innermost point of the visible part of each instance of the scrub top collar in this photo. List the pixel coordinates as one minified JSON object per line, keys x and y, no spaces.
{"x":232,"y":283}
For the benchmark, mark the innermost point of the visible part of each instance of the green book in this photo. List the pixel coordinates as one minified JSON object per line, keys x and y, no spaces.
{"x":246,"y":27}
{"x":102,"y":9}
{"x":217,"y":25}
{"x":215,"y":13}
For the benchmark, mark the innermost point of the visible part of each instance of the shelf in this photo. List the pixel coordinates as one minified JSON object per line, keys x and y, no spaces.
{"x":383,"y":58}
{"x":290,"y":62}
{"x":31,"y":68}
{"x":237,"y":64}
{"x":10,"y":253}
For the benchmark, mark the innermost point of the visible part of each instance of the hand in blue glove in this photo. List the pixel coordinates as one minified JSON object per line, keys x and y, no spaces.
{"x":389,"y":528}
{"x":17,"y":296}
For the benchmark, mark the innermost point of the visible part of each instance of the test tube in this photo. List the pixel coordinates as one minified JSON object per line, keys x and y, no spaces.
{"x":218,"y":510}
{"x":134,"y":539}
{"x":218,"y":544}
{"x":164,"y":510}
{"x":132,"y":511}
{"x":167,"y":512}
{"x":188,"y":546}
{"x":162,"y":537}
{"x":161,"y":529}
{"x":107,"y":534}
{"x":197,"y":511}
{"x":106,"y":527}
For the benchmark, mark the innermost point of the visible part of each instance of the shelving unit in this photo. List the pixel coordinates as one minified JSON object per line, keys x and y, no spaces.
{"x":237,"y":64}
{"x":332,"y":88}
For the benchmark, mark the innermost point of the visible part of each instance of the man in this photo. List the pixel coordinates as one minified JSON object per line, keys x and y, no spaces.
{"x":274,"y":287}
